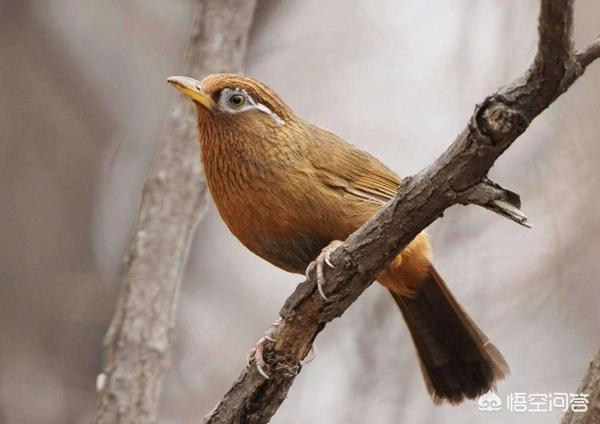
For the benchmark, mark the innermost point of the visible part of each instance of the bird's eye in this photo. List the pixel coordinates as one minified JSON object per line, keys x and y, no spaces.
{"x":237,"y":100}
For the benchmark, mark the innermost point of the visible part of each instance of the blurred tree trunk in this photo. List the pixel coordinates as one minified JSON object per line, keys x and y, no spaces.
{"x":591,"y":386}
{"x":137,"y":344}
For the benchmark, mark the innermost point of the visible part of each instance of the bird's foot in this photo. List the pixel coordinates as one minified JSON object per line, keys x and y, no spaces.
{"x":256,"y":353}
{"x":319,"y":264}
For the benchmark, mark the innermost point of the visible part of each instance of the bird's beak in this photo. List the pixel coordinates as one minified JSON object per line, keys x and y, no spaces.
{"x":193,"y":89}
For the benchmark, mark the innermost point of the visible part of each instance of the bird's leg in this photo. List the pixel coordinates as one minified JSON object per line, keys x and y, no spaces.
{"x":256,"y":353}
{"x":319,"y":264}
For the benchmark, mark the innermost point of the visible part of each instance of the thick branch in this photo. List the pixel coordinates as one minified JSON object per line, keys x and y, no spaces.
{"x":137,"y":344}
{"x":421,"y":199}
{"x":590,"y":386}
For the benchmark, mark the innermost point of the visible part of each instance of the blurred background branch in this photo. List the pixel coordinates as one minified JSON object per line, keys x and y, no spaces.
{"x":590,"y":386}
{"x":137,"y":345}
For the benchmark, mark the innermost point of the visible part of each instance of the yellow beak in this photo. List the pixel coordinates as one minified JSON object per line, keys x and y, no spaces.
{"x":193,"y":89}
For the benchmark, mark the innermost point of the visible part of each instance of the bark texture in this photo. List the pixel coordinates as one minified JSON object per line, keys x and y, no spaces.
{"x":458,"y":176}
{"x":591,"y":386}
{"x":137,"y":344}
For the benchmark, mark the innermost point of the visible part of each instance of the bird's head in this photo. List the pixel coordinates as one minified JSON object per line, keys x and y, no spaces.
{"x":231,"y":105}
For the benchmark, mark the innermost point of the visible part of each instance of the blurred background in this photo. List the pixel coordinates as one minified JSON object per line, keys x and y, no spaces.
{"x":82,"y":100}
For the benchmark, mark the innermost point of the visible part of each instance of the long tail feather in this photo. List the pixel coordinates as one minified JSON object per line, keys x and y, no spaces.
{"x":457,"y":359}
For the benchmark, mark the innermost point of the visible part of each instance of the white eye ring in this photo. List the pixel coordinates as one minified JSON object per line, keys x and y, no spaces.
{"x":243,"y":102}
{"x":236,"y":100}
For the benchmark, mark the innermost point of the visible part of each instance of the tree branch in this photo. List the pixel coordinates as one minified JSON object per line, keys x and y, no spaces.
{"x":591,"y":386}
{"x":455,"y":177}
{"x":496,"y":198}
{"x":591,"y":53}
{"x":137,"y":344}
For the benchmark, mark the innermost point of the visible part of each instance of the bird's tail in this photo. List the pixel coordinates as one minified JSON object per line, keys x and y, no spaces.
{"x":458,"y":361}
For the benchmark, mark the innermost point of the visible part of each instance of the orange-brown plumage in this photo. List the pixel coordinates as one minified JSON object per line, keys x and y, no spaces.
{"x":286,"y":189}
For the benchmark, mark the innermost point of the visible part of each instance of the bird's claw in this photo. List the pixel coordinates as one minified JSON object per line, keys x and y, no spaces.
{"x":309,"y":356}
{"x":328,"y":260}
{"x":323,"y":258}
{"x":256,"y":353}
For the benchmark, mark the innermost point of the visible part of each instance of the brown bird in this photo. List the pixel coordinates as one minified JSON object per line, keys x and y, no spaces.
{"x":290,"y":191}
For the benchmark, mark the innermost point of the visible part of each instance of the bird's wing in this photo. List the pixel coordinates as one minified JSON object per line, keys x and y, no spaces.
{"x":345,"y":167}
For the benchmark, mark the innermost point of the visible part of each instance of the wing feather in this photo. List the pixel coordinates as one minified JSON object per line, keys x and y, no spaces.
{"x":345,"y":167}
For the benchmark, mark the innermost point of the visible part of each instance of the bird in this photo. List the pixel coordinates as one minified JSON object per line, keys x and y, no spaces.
{"x":291,"y":192}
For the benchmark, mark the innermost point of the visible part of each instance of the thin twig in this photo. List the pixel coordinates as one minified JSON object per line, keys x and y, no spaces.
{"x":591,"y":53}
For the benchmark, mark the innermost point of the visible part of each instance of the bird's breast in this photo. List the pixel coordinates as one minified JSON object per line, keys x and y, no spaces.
{"x":271,"y":208}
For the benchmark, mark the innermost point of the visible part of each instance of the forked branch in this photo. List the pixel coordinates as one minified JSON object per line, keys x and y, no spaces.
{"x":459,"y":175}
